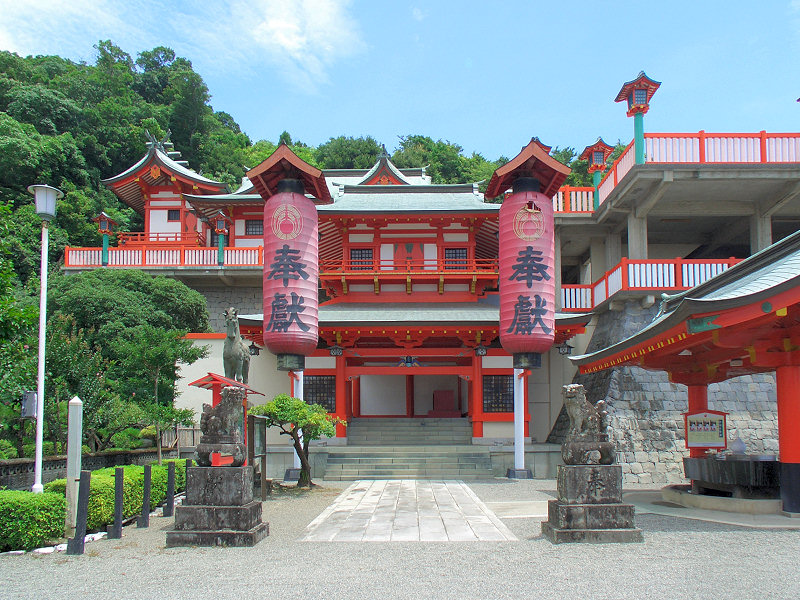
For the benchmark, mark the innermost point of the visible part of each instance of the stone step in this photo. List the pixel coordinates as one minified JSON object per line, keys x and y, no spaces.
{"x":417,"y":474}
{"x":405,"y":450}
{"x":458,"y":460}
{"x":364,"y":466}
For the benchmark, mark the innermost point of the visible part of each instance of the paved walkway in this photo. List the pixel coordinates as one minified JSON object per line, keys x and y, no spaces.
{"x":407,"y":511}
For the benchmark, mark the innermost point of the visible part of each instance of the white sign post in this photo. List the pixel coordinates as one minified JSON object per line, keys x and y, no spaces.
{"x":74,"y":436}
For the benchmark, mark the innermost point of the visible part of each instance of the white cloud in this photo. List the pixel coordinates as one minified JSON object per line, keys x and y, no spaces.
{"x":417,"y":14}
{"x":300,"y":39}
{"x":59,"y":26}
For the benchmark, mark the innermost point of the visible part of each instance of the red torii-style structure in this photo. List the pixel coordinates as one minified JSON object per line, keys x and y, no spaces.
{"x":744,"y":321}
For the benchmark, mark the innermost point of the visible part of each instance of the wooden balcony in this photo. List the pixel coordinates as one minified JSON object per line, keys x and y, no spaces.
{"x":705,"y":148}
{"x":423,"y":278}
{"x":673,"y":275}
{"x":160,"y":255}
{"x":177,"y":238}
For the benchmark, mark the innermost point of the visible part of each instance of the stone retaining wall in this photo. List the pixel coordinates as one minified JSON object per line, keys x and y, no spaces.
{"x":17,"y":473}
{"x":247,"y":300}
{"x":645,"y":409}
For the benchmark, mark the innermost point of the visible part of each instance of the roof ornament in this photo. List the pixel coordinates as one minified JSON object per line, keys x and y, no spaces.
{"x":161,"y":144}
{"x":384,"y":153}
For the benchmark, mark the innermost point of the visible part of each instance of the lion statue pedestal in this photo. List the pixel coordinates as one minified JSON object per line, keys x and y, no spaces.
{"x":589,"y":506}
{"x":219,"y":509}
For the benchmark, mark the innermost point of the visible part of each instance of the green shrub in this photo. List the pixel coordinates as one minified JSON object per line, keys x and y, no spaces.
{"x":101,"y":499}
{"x":127,"y":439}
{"x":29,"y":450}
{"x":7,"y":450}
{"x":101,"y":492}
{"x":180,"y":472}
{"x":148,"y":432}
{"x":29,"y":520}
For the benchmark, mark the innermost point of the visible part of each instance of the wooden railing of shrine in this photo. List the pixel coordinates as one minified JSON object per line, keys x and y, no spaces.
{"x":139,"y":238}
{"x":163,"y":256}
{"x":705,"y":148}
{"x":434,"y":265}
{"x":642,"y":275}
{"x":570,"y":199}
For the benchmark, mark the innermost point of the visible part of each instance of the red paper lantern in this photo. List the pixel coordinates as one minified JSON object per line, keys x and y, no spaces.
{"x":527,"y":278}
{"x":291,"y":274}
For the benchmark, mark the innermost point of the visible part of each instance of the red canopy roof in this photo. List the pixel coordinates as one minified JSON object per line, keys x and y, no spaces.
{"x":533,"y":161}
{"x":208,"y":382}
{"x":285,"y":164}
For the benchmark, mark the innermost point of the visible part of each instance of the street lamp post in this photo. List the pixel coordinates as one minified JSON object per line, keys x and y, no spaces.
{"x":45,"y":198}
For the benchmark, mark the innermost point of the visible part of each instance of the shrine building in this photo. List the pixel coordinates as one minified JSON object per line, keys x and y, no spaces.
{"x":408,"y":348}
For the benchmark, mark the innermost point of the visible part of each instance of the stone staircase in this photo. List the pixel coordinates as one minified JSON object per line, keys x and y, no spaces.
{"x":409,"y":449}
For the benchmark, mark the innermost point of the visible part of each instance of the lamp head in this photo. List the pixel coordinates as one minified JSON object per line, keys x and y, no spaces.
{"x":45,"y":197}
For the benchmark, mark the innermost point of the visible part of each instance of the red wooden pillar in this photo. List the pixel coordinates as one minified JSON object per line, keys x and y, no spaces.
{"x":788,"y":383}
{"x":341,"y":395}
{"x":356,"y":397}
{"x":216,"y":397}
{"x":477,"y":397}
{"x":698,"y":401}
{"x":409,"y":396}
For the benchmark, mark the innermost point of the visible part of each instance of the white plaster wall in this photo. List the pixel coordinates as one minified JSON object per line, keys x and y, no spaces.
{"x":387,"y":257}
{"x":498,"y":430}
{"x":425,"y":385}
{"x":320,"y":362}
{"x":429,"y":253}
{"x":539,"y":399}
{"x":497,"y":362}
{"x":264,"y":378}
{"x":248,"y":242}
{"x":383,"y":394}
{"x":360,"y":237}
{"x":456,"y":237}
{"x":159,"y":223}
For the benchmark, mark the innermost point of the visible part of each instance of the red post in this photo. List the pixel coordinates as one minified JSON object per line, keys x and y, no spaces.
{"x":698,"y":401}
{"x":763,"y":146}
{"x":788,"y":383}
{"x":356,"y":397}
{"x":702,"y":146}
{"x":409,"y":396}
{"x":341,"y":394}
{"x":477,"y":396}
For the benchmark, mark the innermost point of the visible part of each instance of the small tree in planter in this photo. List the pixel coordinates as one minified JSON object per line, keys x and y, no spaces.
{"x":297,"y":418}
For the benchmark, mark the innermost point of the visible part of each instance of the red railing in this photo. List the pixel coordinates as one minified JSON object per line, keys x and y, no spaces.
{"x":643,"y":275}
{"x":433,"y":265}
{"x":569,"y":199}
{"x":160,"y":256}
{"x":138,"y":238}
{"x":705,"y":148}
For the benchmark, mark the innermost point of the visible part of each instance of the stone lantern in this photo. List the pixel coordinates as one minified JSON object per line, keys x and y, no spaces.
{"x":597,"y":154}
{"x":221,"y":225}
{"x":104,"y":226}
{"x":637,"y":94}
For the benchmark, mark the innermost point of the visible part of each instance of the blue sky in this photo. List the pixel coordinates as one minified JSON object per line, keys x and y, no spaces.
{"x":486,"y":75}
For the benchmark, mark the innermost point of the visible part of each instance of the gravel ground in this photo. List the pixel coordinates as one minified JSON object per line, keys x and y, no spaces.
{"x":680,"y":558}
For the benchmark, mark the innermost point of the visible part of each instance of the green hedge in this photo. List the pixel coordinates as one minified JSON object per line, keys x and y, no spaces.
{"x":101,"y":494}
{"x":29,"y":520}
